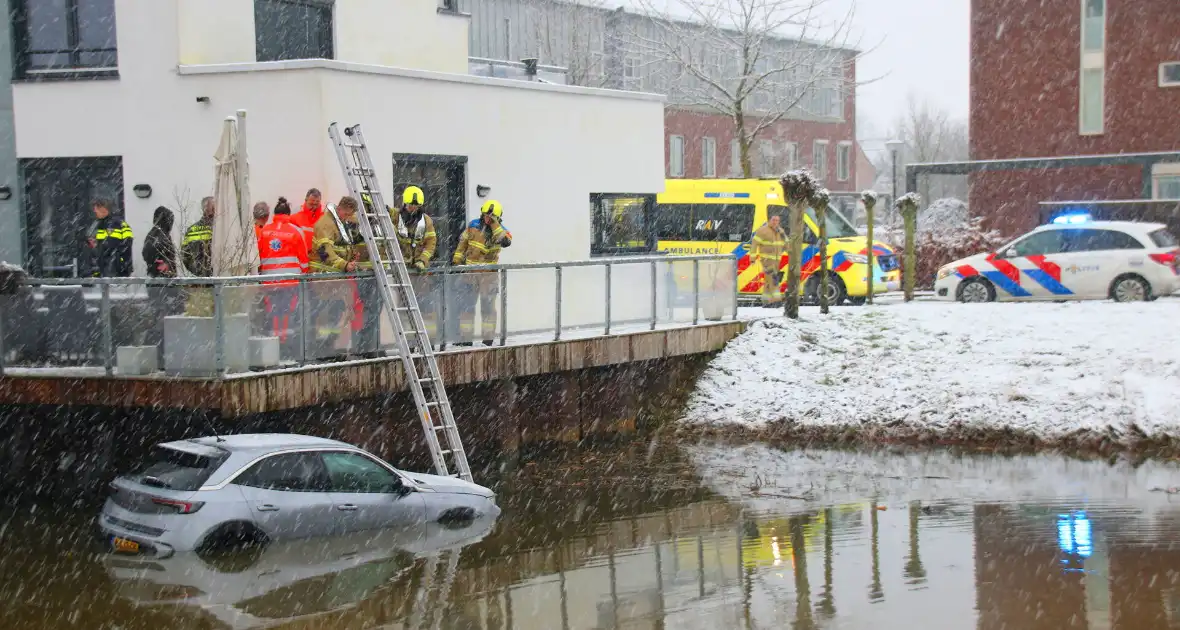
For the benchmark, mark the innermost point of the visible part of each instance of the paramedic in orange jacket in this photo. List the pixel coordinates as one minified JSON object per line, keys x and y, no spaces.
{"x":309,"y":215}
{"x":282,"y":251}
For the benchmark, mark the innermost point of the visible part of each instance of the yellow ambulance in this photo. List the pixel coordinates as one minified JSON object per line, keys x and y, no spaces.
{"x":719,"y":216}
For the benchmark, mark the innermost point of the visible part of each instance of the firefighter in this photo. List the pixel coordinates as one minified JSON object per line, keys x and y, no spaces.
{"x":339,"y":247}
{"x":770,"y":242}
{"x":419,"y":243}
{"x":196,"y":252}
{"x":480,"y":244}
{"x":281,"y":251}
{"x":110,"y":241}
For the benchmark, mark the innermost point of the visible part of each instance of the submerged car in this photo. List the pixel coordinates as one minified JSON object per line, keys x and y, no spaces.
{"x":1073,"y":258}
{"x":213,"y":492}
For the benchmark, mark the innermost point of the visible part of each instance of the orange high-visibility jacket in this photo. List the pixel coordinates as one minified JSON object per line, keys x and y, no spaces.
{"x":305,"y":221}
{"x":281,"y":249}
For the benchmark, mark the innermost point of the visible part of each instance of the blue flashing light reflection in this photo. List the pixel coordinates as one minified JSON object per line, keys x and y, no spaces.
{"x":1074,"y":534}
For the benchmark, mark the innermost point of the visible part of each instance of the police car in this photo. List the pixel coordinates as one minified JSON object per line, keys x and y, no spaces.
{"x":1072,"y":258}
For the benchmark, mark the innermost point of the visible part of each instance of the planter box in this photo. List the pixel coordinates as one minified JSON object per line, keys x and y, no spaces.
{"x":264,"y":352}
{"x":136,"y":360}
{"x":190,"y":348}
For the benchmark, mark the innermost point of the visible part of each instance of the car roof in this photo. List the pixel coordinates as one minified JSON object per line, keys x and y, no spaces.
{"x":252,"y":442}
{"x":1125,"y":226}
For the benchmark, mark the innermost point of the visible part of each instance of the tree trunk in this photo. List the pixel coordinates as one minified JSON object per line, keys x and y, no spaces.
{"x":911,"y":225}
{"x":821,"y":219}
{"x":794,"y":256}
{"x":739,"y":122}
{"x":869,"y":237}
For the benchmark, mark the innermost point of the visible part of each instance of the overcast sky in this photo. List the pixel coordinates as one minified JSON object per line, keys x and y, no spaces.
{"x":918,"y":46}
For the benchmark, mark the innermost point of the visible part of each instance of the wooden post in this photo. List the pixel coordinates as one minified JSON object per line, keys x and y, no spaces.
{"x":869,"y":198}
{"x":908,"y":206}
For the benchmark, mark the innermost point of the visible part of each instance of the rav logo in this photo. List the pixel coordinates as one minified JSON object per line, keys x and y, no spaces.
{"x":1081,"y":269}
{"x":704,"y":224}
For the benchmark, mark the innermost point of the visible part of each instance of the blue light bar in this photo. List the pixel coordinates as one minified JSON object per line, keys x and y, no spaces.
{"x":1073,"y":219}
{"x":731,"y":195}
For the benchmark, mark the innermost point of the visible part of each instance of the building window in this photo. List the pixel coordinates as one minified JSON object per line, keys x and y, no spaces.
{"x":708,"y":157}
{"x":819,"y":158}
{"x":1170,"y":74}
{"x":1165,"y":181}
{"x":622,"y":224}
{"x":676,"y":156}
{"x":735,"y":158}
{"x":65,"y":38}
{"x":843,"y":161}
{"x":1092,"y":80}
{"x":791,"y":156}
{"x":293,"y":29}
{"x":59,"y":193}
{"x":630,"y":72}
{"x":765,"y":158}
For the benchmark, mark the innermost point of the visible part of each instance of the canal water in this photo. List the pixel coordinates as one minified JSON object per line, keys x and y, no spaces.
{"x":674,"y":536}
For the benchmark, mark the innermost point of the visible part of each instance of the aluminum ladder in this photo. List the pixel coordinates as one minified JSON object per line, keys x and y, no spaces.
{"x":401,"y":305}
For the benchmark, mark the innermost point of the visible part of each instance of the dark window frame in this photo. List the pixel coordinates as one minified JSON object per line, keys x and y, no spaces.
{"x":327,"y":28}
{"x":598,"y":222}
{"x":1085,"y":236}
{"x":748,"y":208}
{"x":21,"y":53}
{"x":451,"y":221}
{"x":71,"y":171}
{"x":324,"y":481}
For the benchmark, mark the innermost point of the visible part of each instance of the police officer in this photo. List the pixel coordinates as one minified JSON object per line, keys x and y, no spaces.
{"x":110,"y":241}
{"x":480,"y":244}
{"x":196,"y":252}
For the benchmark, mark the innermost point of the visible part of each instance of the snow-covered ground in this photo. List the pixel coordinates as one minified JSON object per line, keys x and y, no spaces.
{"x":1045,"y":370}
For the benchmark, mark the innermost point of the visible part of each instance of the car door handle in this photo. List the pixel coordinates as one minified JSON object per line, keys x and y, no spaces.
{"x":267,"y":507}
{"x":346,"y":507}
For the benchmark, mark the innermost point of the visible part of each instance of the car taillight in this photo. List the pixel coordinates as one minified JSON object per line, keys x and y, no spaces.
{"x":181,"y":507}
{"x":1166,"y":258}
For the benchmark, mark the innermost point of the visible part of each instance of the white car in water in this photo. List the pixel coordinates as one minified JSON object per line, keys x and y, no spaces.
{"x":1072,"y":258}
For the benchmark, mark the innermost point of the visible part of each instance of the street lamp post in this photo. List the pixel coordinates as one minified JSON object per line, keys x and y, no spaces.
{"x":895,"y":147}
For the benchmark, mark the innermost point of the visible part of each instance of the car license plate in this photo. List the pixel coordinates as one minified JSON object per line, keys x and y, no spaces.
{"x":892,"y":286}
{"x":122,"y":545}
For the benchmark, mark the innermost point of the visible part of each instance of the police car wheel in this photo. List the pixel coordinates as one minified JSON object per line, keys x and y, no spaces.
{"x":976,"y":290}
{"x":1130,"y":289}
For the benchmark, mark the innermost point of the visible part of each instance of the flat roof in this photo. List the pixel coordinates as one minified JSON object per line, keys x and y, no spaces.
{"x":429,"y":75}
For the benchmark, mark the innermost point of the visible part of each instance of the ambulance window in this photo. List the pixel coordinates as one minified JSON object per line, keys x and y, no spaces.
{"x":730,"y":222}
{"x":673,"y":222}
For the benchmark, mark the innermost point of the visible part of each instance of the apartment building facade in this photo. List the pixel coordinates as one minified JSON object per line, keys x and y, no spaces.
{"x":619,"y":49}
{"x":1072,"y":78}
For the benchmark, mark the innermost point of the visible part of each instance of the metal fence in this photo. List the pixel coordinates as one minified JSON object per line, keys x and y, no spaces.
{"x":227,"y":327}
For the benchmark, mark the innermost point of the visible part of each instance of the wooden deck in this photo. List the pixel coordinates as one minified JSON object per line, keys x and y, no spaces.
{"x":247,"y":394}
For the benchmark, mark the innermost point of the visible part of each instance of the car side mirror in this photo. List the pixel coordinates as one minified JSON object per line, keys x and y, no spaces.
{"x":1012,"y":253}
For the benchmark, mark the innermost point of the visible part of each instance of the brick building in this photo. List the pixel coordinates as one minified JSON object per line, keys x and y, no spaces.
{"x":1081,"y":78}
{"x":611,"y":48}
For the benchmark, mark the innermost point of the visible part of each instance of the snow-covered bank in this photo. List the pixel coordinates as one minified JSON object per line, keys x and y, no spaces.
{"x":1096,"y":373}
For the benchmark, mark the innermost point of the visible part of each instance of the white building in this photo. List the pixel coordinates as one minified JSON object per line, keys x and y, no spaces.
{"x":87,"y":128}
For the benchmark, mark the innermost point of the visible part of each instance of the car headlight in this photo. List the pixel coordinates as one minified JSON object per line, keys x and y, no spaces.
{"x":858,"y":259}
{"x":945,"y":271}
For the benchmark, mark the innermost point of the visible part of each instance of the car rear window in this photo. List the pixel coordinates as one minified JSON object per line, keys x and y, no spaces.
{"x":177,"y":470}
{"x":1162,"y":238}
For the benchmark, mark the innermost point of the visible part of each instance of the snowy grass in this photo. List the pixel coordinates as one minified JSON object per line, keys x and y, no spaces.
{"x":1042,"y":372}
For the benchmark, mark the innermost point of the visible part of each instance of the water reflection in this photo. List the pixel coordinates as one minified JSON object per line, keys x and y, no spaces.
{"x":621,"y":542}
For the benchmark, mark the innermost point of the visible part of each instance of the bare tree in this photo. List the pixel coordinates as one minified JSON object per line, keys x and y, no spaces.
{"x":571,"y":33}
{"x":754,"y":61}
{"x":931,"y":135}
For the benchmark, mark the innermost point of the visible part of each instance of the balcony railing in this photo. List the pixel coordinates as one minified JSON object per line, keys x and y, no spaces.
{"x":229,"y":327}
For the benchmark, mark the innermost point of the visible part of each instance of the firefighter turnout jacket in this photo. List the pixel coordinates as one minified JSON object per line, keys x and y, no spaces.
{"x":769,"y":246}
{"x":416,"y":235}
{"x":337,"y":243}
{"x":480,"y":244}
